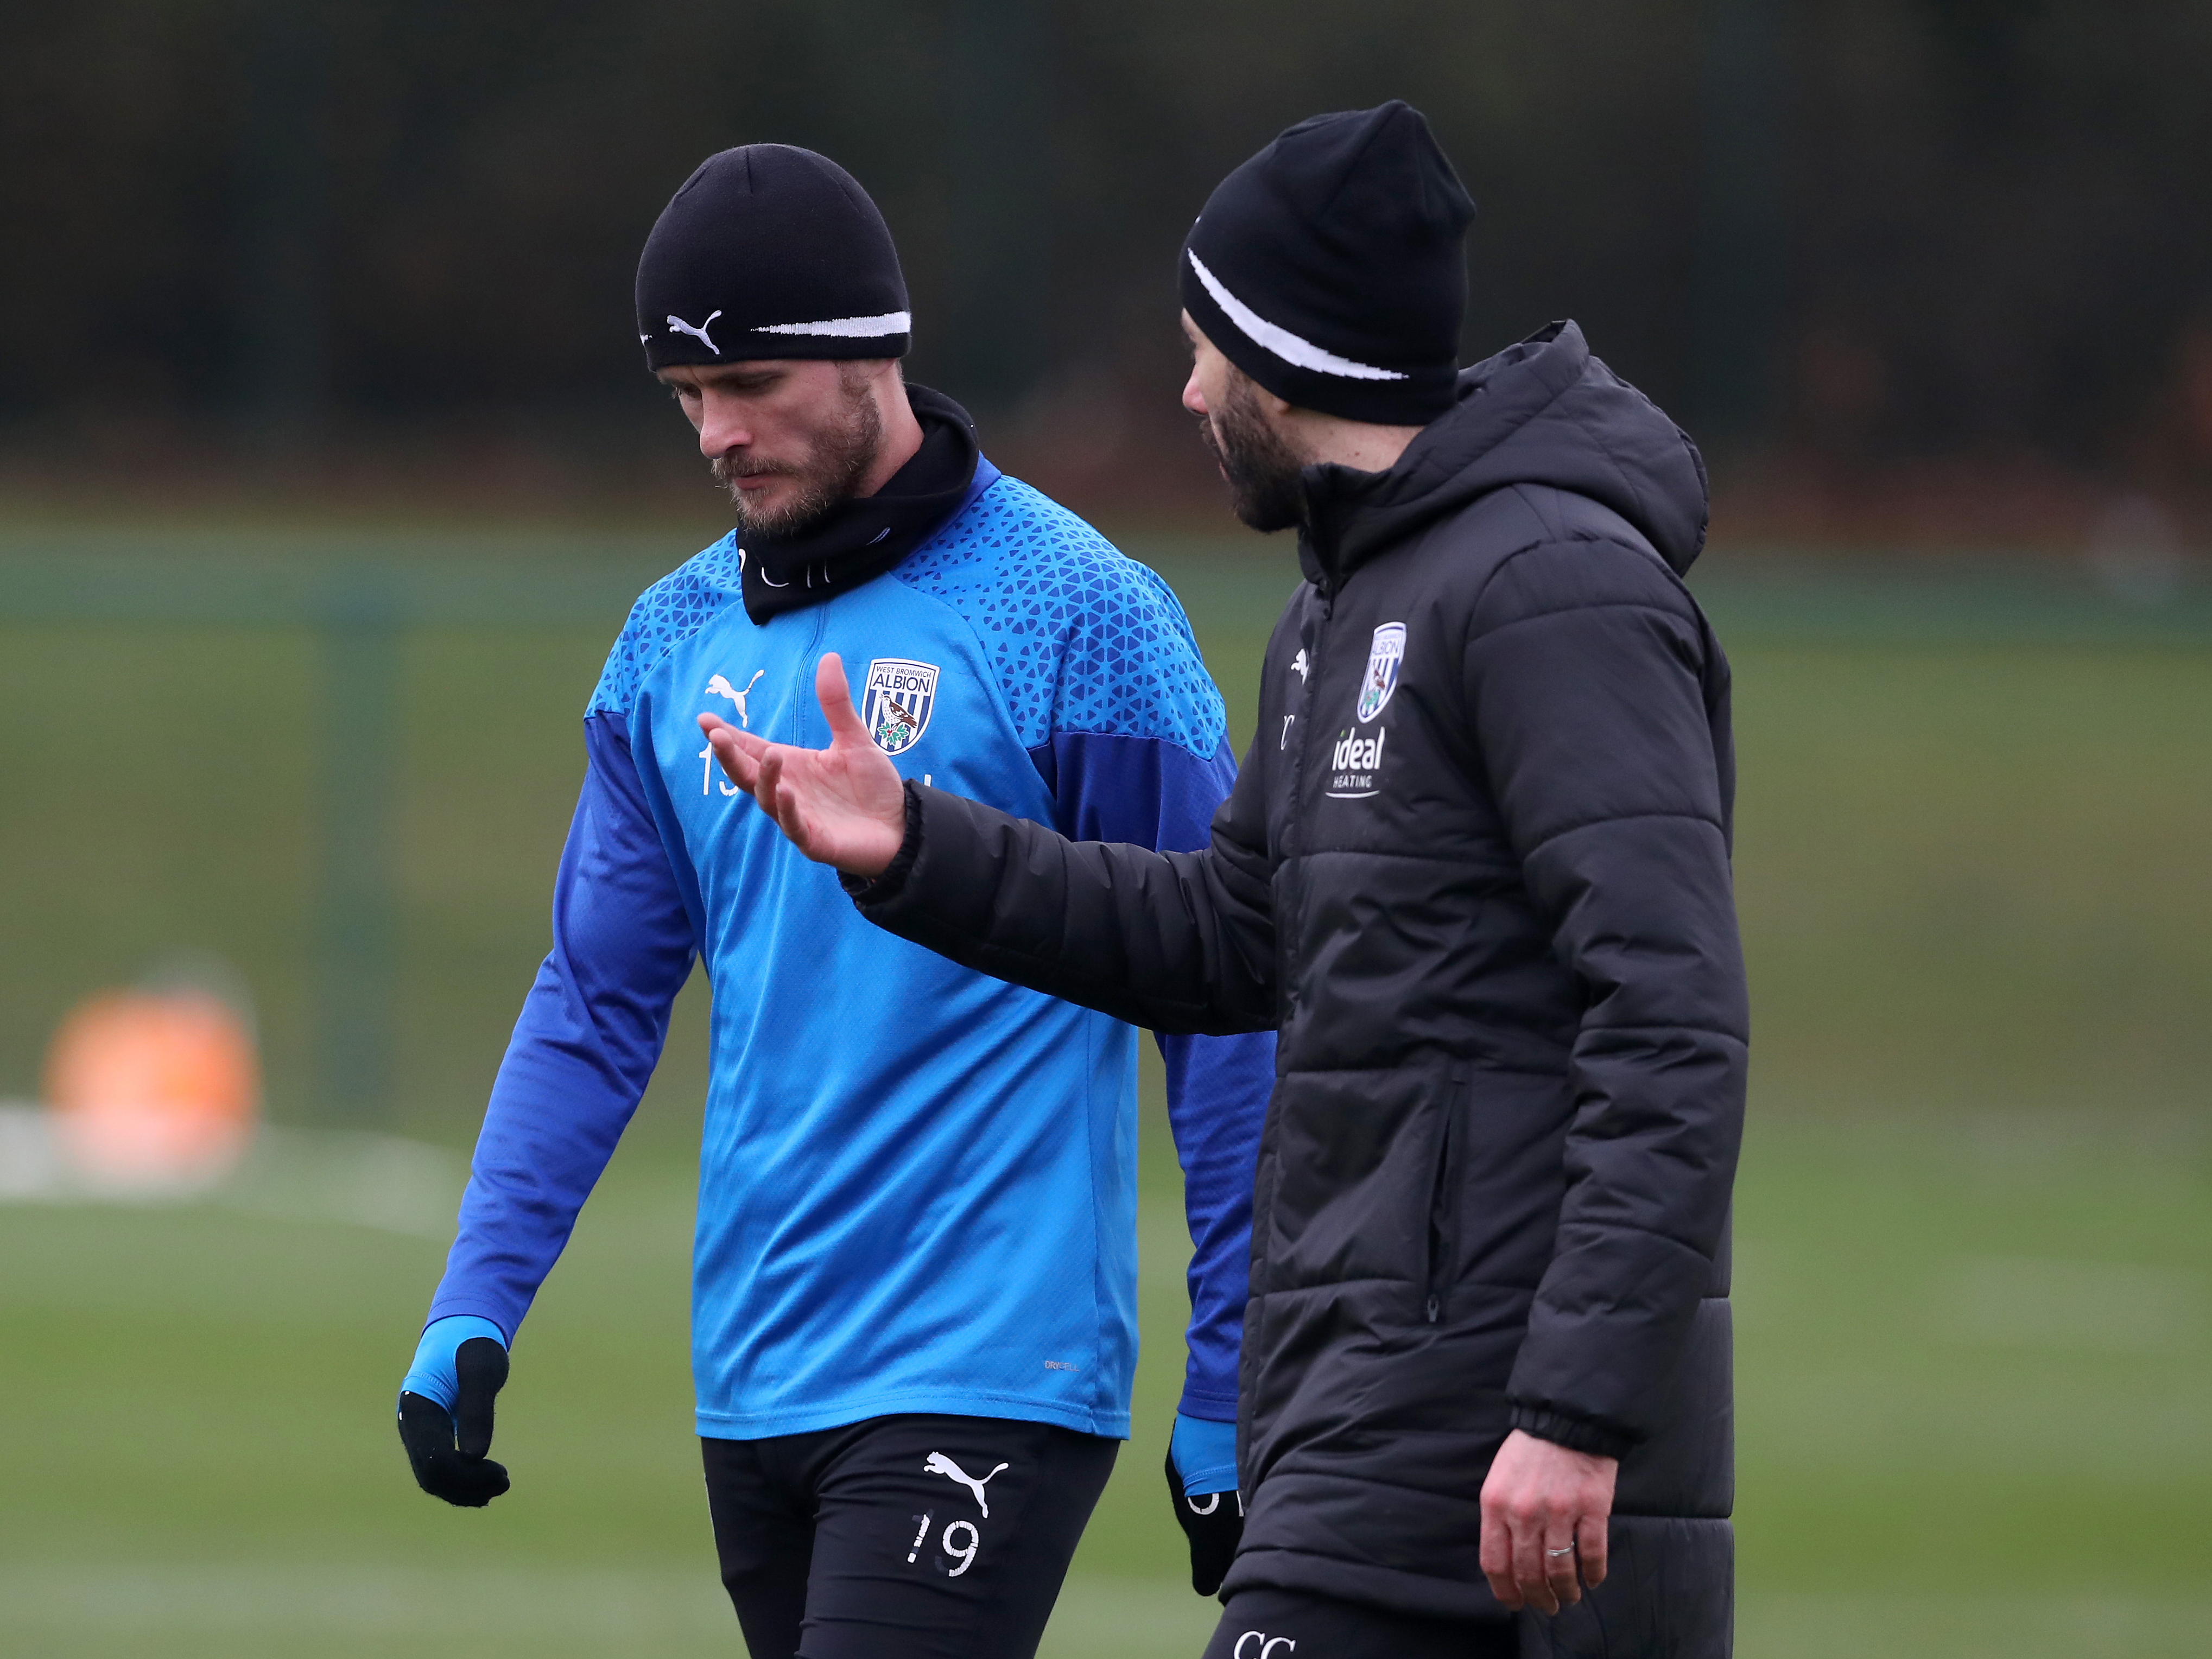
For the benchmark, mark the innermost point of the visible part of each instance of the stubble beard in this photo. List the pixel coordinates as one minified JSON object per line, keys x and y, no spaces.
{"x":843,"y":452}
{"x":1265,"y":489}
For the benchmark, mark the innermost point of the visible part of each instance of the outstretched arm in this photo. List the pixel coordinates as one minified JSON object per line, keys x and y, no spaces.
{"x":1171,"y":941}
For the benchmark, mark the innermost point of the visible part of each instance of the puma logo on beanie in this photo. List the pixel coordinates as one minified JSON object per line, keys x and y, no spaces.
{"x":783,"y":254}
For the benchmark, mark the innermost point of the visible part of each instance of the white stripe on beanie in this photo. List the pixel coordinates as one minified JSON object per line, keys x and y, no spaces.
{"x":861,"y":328}
{"x":1304,"y":354}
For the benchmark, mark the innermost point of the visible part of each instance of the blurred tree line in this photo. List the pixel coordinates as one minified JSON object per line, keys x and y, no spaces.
{"x":1842,"y":227}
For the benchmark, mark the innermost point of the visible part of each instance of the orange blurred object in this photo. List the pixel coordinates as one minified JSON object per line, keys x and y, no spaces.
{"x":153,"y":1090}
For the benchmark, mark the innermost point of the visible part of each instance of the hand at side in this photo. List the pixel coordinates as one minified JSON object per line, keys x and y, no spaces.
{"x":843,"y":805}
{"x":1202,"y":1486}
{"x":1543,"y":1514}
{"x":445,"y":1410}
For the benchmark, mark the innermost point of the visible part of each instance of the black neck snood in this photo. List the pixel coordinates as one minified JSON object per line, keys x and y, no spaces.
{"x":863,"y":536}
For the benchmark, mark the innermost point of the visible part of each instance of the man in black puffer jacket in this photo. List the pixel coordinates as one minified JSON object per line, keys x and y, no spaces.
{"x":1475,"y":871}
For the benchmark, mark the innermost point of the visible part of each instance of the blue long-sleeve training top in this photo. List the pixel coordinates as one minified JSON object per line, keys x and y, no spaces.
{"x":917,"y":1186}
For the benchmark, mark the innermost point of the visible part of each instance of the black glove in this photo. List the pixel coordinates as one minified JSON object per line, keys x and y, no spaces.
{"x":447,"y":1450}
{"x":1214,"y":1524}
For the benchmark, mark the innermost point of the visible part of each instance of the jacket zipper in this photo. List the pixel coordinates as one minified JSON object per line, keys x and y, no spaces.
{"x":1438,"y":1242}
{"x":1315,"y":660}
{"x":1443,"y":1202}
{"x":803,"y":679}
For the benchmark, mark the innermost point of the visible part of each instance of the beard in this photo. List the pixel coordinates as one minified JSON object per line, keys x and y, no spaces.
{"x":844,"y":449}
{"x":1265,"y":490}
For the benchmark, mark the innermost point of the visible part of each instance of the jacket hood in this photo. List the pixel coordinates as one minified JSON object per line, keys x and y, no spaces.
{"x":1543,"y":412}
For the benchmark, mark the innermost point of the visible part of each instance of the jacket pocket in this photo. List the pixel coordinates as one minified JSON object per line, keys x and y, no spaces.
{"x":1445,"y":1197}
{"x":1354,"y":1172}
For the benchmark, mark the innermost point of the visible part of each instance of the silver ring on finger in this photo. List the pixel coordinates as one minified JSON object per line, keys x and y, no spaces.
{"x":1555,"y":1554}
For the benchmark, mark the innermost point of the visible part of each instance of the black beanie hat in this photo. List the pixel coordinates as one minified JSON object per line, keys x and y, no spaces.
{"x":769,"y":250}
{"x":1330,"y":267}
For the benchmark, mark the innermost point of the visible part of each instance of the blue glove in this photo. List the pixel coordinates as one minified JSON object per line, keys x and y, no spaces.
{"x":1202,"y":1486}
{"x":1205,"y":1454}
{"x":446,"y":1410}
{"x":431,"y":1374}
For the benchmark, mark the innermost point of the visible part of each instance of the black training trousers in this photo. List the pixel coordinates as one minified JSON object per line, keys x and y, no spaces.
{"x":1263,"y":1623}
{"x":902,"y":1537}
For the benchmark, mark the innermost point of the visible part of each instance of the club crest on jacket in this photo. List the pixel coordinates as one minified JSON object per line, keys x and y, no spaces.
{"x":1381,"y":679}
{"x":897,"y":703}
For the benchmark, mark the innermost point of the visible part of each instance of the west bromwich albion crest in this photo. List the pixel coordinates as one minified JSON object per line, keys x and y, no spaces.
{"x":897,"y":703}
{"x":1382,"y":677}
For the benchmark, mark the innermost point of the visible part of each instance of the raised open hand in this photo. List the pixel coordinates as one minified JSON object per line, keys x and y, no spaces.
{"x":843,"y":805}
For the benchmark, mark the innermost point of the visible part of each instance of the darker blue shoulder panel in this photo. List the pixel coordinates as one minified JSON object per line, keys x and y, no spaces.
{"x":1155,"y":793}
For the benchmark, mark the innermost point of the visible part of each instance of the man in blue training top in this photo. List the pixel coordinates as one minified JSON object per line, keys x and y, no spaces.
{"x":914,"y":1282}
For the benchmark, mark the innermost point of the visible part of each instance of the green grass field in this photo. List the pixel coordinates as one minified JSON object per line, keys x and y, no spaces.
{"x":1974,"y":1225}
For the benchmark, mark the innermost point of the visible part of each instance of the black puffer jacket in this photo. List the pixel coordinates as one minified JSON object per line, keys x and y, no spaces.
{"x":1476,"y":869}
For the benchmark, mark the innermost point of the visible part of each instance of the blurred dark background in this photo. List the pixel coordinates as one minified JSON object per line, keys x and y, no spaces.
{"x":1913,"y":270}
{"x":328,"y":470}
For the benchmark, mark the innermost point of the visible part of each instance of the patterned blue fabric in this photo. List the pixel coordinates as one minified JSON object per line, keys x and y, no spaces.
{"x":667,"y":614}
{"x":897,"y":1212}
{"x":1083,"y":639}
